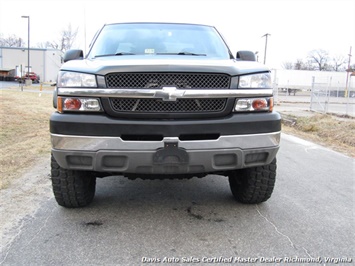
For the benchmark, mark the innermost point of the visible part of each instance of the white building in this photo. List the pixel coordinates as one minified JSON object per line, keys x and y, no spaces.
{"x":44,"y":62}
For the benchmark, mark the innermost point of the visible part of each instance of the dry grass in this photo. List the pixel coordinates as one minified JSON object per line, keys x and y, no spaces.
{"x":24,"y":135}
{"x":327,"y":130}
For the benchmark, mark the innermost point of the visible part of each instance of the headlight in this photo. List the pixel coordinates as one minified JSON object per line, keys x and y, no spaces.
{"x":73,"y":79}
{"x":262,"y":80}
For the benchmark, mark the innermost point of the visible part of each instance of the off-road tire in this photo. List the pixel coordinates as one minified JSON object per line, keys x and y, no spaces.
{"x":72,"y":189}
{"x":253,"y":185}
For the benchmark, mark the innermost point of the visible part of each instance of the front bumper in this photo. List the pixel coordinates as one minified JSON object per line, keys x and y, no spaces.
{"x":101,"y":125}
{"x":168,"y":156}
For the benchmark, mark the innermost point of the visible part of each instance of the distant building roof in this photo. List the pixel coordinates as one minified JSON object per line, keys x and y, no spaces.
{"x":31,"y":48}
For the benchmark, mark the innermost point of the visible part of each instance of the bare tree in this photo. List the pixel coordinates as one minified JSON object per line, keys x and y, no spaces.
{"x":66,"y":40}
{"x":11,"y":41}
{"x":320,"y":58}
{"x":303,"y":65}
{"x":338,"y":62}
{"x":287,"y":65}
{"x":44,"y":45}
{"x":299,"y":64}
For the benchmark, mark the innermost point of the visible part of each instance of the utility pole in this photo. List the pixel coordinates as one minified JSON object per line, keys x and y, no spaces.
{"x":28,"y":48}
{"x":347,"y":74}
{"x":85,"y":30}
{"x":266,"y":35}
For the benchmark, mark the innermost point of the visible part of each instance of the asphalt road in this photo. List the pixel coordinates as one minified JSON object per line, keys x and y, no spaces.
{"x":310,"y":217}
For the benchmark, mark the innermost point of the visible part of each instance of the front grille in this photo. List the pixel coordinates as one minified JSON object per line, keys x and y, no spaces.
{"x":160,"y":106}
{"x":159,"y":80}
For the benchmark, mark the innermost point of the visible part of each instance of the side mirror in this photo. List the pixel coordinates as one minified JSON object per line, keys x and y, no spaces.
{"x":246,"y":56}
{"x":73,"y":55}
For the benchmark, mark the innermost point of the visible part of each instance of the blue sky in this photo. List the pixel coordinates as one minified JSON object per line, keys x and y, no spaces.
{"x":296,"y":26}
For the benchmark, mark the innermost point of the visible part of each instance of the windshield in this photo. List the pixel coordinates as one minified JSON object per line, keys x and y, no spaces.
{"x":159,"y":39}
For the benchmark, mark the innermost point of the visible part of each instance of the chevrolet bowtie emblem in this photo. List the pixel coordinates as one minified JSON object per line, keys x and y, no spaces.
{"x":169,"y":94}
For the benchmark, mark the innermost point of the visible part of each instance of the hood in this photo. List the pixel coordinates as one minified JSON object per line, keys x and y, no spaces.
{"x":163,"y":63}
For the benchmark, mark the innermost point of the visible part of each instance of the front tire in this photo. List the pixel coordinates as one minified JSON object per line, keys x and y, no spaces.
{"x":253,"y":185}
{"x":72,"y":189}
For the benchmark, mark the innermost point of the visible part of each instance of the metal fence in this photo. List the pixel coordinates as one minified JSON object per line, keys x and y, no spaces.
{"x":320,"y":94}
{"x":325,"y":99}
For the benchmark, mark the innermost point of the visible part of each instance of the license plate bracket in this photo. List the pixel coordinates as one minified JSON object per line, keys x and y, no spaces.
{"x":171,"y":154}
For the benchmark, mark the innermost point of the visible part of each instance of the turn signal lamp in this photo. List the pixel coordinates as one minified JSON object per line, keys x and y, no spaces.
{"x":73,"y":104}
{"x":254,"y":104}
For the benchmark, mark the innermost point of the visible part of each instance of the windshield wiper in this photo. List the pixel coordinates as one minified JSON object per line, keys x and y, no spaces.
{"x":120,"y":53}
{"x":189,"y":53}
{"x":124,"y":53}
{"x":182,"y":53}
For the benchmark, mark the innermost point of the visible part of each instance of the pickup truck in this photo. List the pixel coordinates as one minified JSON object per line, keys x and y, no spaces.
{"x":162,"y":100}
{"x":32,"y":76}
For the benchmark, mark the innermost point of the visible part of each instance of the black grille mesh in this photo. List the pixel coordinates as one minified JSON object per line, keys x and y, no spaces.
{"x":160,"y":106}
{"x":158,"y":80}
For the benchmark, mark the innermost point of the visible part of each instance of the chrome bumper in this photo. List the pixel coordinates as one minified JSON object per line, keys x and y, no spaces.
{"x":112,"y":154}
